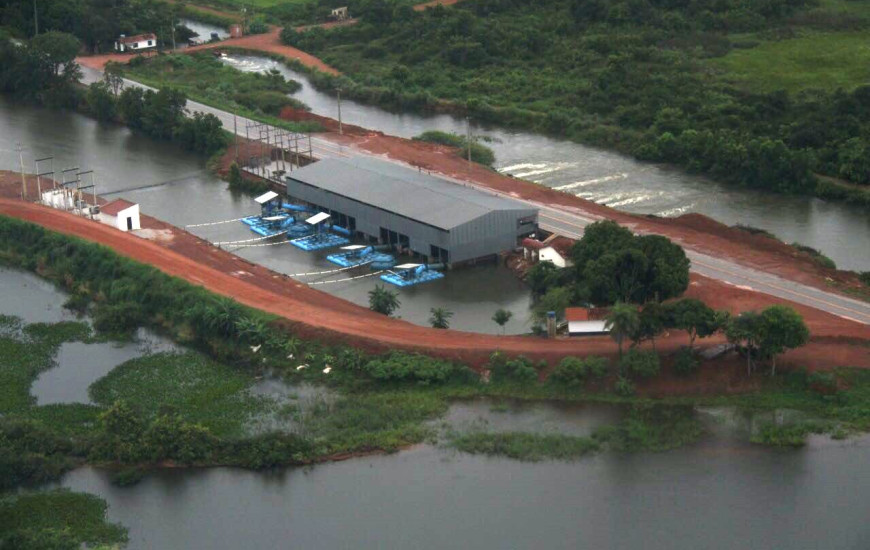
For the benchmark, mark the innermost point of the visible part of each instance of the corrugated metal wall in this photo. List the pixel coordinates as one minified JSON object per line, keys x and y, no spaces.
{"x":490,"y":234}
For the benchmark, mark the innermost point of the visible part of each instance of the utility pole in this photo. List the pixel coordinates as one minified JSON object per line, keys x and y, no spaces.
{"x":468,"y":136}
{"x":236,"y":137}
{"x":20,"y":149}
{"x":339,"y":111}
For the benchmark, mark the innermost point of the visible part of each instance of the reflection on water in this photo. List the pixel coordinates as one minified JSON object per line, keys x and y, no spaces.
{"x":700,"y":497}
{"x":840,"y":231}
{"x":32,"y":299}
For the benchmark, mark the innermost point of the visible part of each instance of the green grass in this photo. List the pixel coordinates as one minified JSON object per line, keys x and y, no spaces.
{"x":820,"y":60}
{"x":202,"y":391}
{"x":34,"y":519}
{"x":371,"y":420}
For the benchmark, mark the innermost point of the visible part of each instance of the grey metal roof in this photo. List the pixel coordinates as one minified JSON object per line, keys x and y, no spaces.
{"x":404,"y":191}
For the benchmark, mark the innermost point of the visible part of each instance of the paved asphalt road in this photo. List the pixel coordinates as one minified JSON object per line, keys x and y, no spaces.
{"x":571,"y":224}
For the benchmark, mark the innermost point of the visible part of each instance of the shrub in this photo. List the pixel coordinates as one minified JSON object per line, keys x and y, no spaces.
{"x":623,"y":387}
{"x":520,"y":369}
{"x":685,"y":363}
{"x":864,"y":277}
{"x":573,"y":371}
{"x":121,"y":318}
{"x":644,"y":364}
{"x":423,"y":370}
{"x":822,"y":383}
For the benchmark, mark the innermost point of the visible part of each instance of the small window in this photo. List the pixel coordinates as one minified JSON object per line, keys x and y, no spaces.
{"x":150,"y":43}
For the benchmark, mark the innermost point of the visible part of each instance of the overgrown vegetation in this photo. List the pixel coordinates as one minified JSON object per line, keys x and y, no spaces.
{"x":58,"y":520}
{"x":202,"y":77}
{"x":480,"y":154}
{"x":667,"y":81}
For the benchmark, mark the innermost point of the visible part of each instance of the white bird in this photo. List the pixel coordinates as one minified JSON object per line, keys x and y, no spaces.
{"x":255,"y":349}
{"x":327,"y":370}
{"x":300,"y":367}
{"x":290,"y":356}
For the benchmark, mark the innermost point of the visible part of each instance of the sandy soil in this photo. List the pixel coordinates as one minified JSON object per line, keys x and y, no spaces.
{"x":315,"y":314}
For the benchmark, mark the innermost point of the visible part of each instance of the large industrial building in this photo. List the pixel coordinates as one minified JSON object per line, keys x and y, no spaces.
{"x":430,"y":216}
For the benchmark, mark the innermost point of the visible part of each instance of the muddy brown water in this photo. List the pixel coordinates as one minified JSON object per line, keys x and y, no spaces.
{"x":721,"y":493}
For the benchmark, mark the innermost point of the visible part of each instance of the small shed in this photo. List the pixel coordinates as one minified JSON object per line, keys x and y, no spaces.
{"x":555,"y":249}
{"x":340,"y":14}
{"x":585,"y":321}
{"x":137,"y":43}
{"x":121,"y":214}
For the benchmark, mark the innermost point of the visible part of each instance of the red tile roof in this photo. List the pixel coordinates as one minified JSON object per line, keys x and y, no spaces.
{"x":585,"y":314}
{"x":533,"y":244}
{"x":138,"y":38}
{"x":560,"y":244}
{"x":112,"y":208}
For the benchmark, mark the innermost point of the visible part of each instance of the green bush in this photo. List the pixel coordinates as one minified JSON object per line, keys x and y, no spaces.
{"x":573,"y":371}
{"x":519,"y":369}
{"x":864,"y":277}
{"x":419,"y":369}
{"x":121,"y":318}
{"x":479,"y":153}
{"x":822,"y":383}
{"x":623,"y":387}
{"x":644,"y":364}
{"x":817,"y":256}
{"x":685,"y":362}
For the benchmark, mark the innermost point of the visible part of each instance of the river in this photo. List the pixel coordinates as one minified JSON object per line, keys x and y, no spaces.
{"x":720,"y":493}
{"x":840,"y":231}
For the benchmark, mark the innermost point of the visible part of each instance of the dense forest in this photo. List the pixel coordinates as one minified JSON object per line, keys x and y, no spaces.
{"x":641,"y":76}
{"x":96,"y":23}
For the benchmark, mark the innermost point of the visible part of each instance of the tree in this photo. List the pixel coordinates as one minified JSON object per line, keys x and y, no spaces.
{"x":58,"y":51}
{"x":599,"y":239}
{"x":780,"y":328}
{"x":744,"y":330}
{"x":131,"y":105}
{"x":162,"y":112}
{"x":501,"y":317}
{"x":383,"y":300}
{"x":112,"y":77}
{"x":556,"y":299}
{"x":617,"y":277}
{"x":668,"y":268}
{"x":440,"y":317}
{"x":695,"y":317}
{"x":622,"y":321}
{"x":542,"y":276}
{"x":101,"y":102}
{"x":651,"y":323}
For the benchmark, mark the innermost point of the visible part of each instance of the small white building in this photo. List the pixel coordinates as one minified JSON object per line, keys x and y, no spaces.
{"x":137,"y":43}
{"x":340,"y":14}
{"x":585,"y":322}
{"x":555,"y":249}
{"x":121,"y":214}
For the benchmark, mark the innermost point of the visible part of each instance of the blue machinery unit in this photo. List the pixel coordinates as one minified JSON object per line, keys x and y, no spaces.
{"x":321,"y":237}
{"x":358,"y":254}
{"x":270,"y":225}
{"x":413,"y":274}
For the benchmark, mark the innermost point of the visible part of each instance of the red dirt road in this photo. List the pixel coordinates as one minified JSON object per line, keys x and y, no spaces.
{"x":312,"y":313}
{"x":267,"y":42}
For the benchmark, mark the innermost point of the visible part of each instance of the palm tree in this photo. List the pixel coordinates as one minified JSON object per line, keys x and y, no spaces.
{"x":622,"y":321}
{"x":383,"y":301}
{"x":440,"y":317}
{"x":501,"y":317}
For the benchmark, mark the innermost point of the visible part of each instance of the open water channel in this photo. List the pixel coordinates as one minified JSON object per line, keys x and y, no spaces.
{"x":721,"y":493}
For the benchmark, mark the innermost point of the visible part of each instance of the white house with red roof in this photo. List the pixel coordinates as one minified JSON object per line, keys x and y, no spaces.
{"x":585,"y":321}
{"x":121,"y":214}
{"x":555,"y":249}
{"x":136,"y":43}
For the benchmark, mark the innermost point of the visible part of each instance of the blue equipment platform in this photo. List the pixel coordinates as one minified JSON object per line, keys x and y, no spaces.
{"x":411,"y":274}
{"x":268,"y":226}
{"x":319,"y":241}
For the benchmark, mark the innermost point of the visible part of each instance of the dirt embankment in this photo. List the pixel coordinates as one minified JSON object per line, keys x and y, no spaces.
{"x":315,"y":314}
{"x":693,"y":231}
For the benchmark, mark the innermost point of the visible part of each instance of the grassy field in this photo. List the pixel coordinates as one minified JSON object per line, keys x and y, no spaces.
{"x":825,"y":61}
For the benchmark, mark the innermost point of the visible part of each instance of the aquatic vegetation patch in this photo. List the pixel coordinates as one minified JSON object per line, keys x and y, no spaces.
{"x":531,"y":447}
{"x":198,"y":389}
{"x":56,"y":519}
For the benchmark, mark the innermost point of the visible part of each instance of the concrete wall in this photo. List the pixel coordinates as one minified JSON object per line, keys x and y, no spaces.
{"x":549,"y":254}
{"x":120,"y":221}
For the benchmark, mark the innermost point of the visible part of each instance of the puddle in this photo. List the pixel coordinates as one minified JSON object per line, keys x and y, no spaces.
{"x":78,"y":365}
